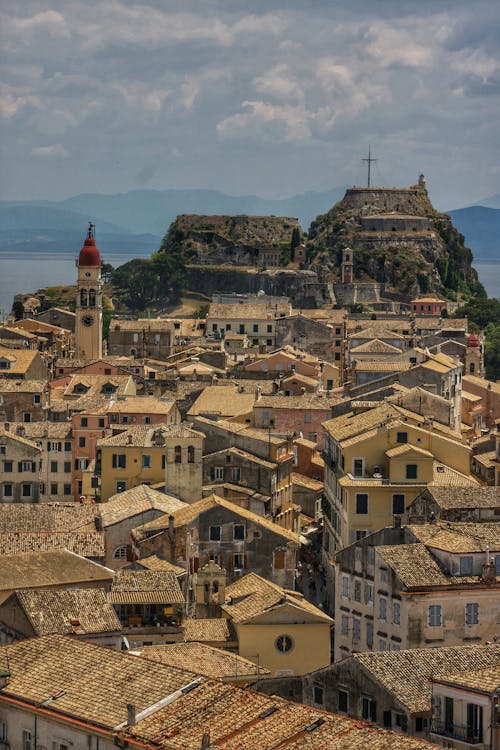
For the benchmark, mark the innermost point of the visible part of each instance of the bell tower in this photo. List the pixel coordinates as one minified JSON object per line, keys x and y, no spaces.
{"x":88,"y":328}
{"x":347,"y":266}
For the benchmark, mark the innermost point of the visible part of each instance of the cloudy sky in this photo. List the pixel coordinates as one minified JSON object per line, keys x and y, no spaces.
{"x":271,"y":97}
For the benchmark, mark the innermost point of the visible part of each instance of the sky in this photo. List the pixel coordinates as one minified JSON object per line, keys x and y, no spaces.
{"x":273,"y":97}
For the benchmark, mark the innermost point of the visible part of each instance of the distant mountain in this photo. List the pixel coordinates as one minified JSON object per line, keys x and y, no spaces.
{"x":480,"y":226}
{"x":493,"y":201}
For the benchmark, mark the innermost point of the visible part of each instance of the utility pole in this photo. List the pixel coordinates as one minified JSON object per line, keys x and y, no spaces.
{"x":369,"y":160}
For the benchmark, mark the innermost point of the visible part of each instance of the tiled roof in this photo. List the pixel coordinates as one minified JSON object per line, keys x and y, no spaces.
{"x":60,"y":567}
{"x":245,"y":311}
{"x":140,"y":324}
{"x":237,"y":719}
{"x":406,"y":674}
{"x":55,"y":517}
{"x":141,"y":405}
{"x":74,"y":611}
{"x":458,"y":537}
{"x":407,"y":448}
{"x":93,"y":683}
{"x":212,"y":630}
{"x":244,"y":455}
{"x":21,"y":359}
{"x":22,"y":386}
{"x":448,"y":498}
{"x":413,"y":564}
{"x":446,"y":476}
{"x":253,"y":595}
{"x":138,"y":586}
{"x":307,"y":401}
{"x":135,"y":501}
{"x":303,"y":481}
{"x":188,"y":514}
{"x":6,"y":436}
{"x":387,"y":366}
{"x":375,"y":346}
{"x":485,"y":680}
{"x":36,"y":430}
{"x":481,"y":383}
{"x":142,"y":435}
{"x":223,"y":400}
{"x":153,"y":562}
{"x":203,"y":660}
{"x":86,"y":543}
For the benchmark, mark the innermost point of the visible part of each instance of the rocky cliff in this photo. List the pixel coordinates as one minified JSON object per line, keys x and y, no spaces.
{"x":260,"y":241}
{"x":398,"y":239}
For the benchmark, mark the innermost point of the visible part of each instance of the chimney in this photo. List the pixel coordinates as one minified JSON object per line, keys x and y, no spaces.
{"x":171,"y":528}
{"x":131,"y":720}
{"x":98,"y":523}
{"x":397,"y":522}
{"x":129,"y":439}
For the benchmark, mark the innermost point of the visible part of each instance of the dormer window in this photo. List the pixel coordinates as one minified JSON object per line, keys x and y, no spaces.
{"x":466,"y":566}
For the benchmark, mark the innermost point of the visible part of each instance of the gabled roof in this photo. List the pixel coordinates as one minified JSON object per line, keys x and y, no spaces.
{"x":449,"y":498}
{"x":135,"y":501}
{"x":84,"y":543}
{"x":226,"y":400}
{"x":145,"y":586}
{"x":76,"y":611}
{"x":187,"y":515}
{"x":486,"y":680}
{"x":407,"y":450}
{"x":54,"y":517}
{"x":209,"y":630}
{"x":407,"y":674}
{"x":375,"y":346}
{"x":60,"y":567}
{"x":153,"y":562}
{"x":203,"y":659}
{"x":253,"y":596}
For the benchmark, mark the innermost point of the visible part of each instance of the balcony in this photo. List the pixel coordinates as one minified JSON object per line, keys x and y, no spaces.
{"x":470,"y":736}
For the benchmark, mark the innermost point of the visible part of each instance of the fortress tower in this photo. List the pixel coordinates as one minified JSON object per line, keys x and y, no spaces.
{"x":88,"y":330}
{"x":347,"y":266}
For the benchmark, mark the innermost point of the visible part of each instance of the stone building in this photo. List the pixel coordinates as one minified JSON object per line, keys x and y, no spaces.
{"x":469,"y":504}
{"x":23,"y":400}
{"x":144,"y":337}
{"x":20,"y":463}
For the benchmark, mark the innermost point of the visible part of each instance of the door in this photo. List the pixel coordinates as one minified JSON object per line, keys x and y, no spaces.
{"x":448,"y":715}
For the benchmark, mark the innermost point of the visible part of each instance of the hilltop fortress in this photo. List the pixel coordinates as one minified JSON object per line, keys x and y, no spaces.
{"x":399,"y":247}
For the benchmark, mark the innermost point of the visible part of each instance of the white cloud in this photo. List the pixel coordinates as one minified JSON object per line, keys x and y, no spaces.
{"x":278,"y":82}
{"x":275,"y":121}
{"x":55,"y":150}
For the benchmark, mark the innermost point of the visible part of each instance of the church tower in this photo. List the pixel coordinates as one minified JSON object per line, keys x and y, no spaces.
{"x":347,"y":266}
{"x":88,"y":328}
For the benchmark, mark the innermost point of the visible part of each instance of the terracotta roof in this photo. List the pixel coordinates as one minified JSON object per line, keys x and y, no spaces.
{"x":153,"y":562}
{"x":307,"y":401}
{"x":448,"y":498}
{"x":223,"y":400}
{"x":135,"y":501}
{"x":141,"y":405}
{"x":481,"y":383}
{"x":37,"y":430}
{"x":485,"y":680}
{"x":54,"y":517}
{"x":303,"y":481}
{"x":22,"y":386}
{"x":253,"y":595}
{"x":203,"y":660}
{"x":86,"y":543}
{"x":244,"y":455}
{"x":213,"y":630}
{"x":406,"y":674}
{"x":141,"y":435}
{"x":407,"y":449}
{"x":138,"y":586}
{"x":188,"y":514}
{"x":93,"y":683}
{"x":76,"y":611}
{"x":21,"y":359}
{"x":458,"y":537}
{"x":413,"y":564}
{"x":140,"y":324}
{"x":375,"y":346}
{"x":57,"y":568}
{"x":245,"y":311}
{"x":388,"y":365}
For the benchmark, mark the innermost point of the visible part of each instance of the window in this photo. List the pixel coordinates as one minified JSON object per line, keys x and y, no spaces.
{"x":356,"y":629}
{"x":239,"y":531}
{"x":84,"y":422}
{"x":178,"y":454}
{"x":119,"y":461}
{"x":67,"y":489}
{"x":53,"y":467}
{"x":26,"y":490}
{"x":466,"y":566}
{"x":343,"y":701}
{"x":411,"y":471}
{"x":474,"y":722}
{"x":26,"y":416}
{"x":53,"y":488}
{"x":368,"y":593}
{"x":361,"y":503}
{"x":307,"y":417}
{"x":398,"y":504}
{"x":236,"y":474}
{"x":190,"y":452}
{"x":27,"y":740}
{"x":67,"y":467}
{"x":67,"y":447}
{"x":401,"y":437}
{"x":7,"y":466}
{"x":382,"y":645}
{"x":396,"y":613}
{"x":255,"y":328}
{"x":7,"y":490}
{"x":146,"y":461}
{"x":214,"y":533}
{"x":163,"y":461}
{"x":239,"y":561}
{"x":336,"y":355}
{"x":283,"y":643}
{"x":121,"y":486}
{"x":318,"y":695}
{"x":382,"y":608}
{"x":358,"y":467}
{"x":472,"y":613}
{"x":344,"y":625}
{"x":357,"y":591}
{"x":434,"y":615}
{"x":368,"y":709}
{"x":121,"y":553}
{"x":345,"y":586}
{"x":82,"y":442}
{"x":217,"y":472}
{"x":100,"y":422}
{"x":369,"y":634}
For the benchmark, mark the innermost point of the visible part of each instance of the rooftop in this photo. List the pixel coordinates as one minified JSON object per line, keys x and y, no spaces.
{"x":135,"y":501}
{"x":203,"y":660}
{"x":60,"y":567}
{"x":145,"y":586}
{"x":210,"y":630}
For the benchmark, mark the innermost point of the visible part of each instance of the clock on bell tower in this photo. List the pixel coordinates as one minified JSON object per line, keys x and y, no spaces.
{"x":88,"y":328}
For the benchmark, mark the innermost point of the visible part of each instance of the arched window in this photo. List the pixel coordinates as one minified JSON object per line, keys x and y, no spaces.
{"x":472,"y":367}
{"x":83,"y":298}
{"x":190,"y":454}
{"x":177,"y":454}
{"x":121,"y":553}
{"x":215,"y":587}
{"x":91,"y":297}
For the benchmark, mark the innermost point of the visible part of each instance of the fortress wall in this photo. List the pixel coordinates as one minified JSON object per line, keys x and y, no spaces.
{"x":412,"y":200}
{"x":396,"y":224}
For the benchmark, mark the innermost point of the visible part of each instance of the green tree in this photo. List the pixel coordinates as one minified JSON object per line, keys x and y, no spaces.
{"x":492,"y":351}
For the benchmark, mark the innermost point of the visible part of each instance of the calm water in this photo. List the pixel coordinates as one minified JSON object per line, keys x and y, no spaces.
{"x":28,"y":272}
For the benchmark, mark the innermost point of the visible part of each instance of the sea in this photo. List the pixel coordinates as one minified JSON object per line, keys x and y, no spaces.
{"x":27,"y":272}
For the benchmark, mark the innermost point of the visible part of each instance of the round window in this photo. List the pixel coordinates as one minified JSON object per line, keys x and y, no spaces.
{"x":284,"y":643}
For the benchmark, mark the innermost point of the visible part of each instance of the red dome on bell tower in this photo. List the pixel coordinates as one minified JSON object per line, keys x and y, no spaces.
{"x":89,"y":254}
{"x":472,"y":341}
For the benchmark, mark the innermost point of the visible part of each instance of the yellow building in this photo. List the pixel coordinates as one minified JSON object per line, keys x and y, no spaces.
{"x":378,"y":461}
{"x":276,"y":628}
{"x":151,"y":454}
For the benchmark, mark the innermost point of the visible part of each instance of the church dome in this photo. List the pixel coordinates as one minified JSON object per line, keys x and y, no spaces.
{"x":89,"y":254}
{"x":473,"y":340}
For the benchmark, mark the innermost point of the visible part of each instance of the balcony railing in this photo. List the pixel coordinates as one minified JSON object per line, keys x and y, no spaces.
{"x":458,"y":732}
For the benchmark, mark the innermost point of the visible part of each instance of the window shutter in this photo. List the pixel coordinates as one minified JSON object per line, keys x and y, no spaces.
{"x":19,"y":465}
{"x":245,"y":562}
{"x":373,"y":710}
{"x":113,"y":461}
{"x":212,"y":472}
{"x":33,"y":466}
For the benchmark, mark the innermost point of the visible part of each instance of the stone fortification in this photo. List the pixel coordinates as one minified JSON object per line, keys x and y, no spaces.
{"x":262,"y":241}
{"x":398,"y":239}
